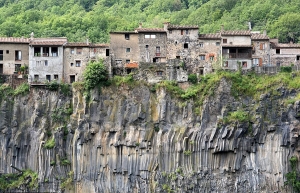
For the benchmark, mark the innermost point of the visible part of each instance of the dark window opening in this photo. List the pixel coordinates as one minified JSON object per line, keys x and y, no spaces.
{"x":186,"y":45}
{"x":226,"y":64}
{"x":37,"y":51}
{"x":298,"y":57}
{"x":217,"y":43}
{"x":54,"y":51}
{"x":170,"y":31}
{"x":224,"y":41}
{"x":147,"y":46}
{"x":72,"y":78}
{"x":107,"y":52}
{"x":7,"y":51}
{"x":46,"y":62}
{"x":157,"y":51}
{"x":181,"y":32}
{"x":201,"y":71}
{"x":1,"y":68}
{"x":127,"y":61}
{"x":79,"y":51}
{"x":244,"y":63}
{"x":159,"y":73}
{"x":278,"y":63}
{"x":1,"y":54}
{"x":126,"y":36}
{"x":187,"y":31}
{"x":201,"y":45}
{"x":55,"y":76}
{"x":72,"y":64}
{"x":155,"y":60}
{"x":277,"y":51}
{"x":48,"y":78}
{"x":127,"y":49}
{"x":36,"y":77}
{"x":177,"y":57}
{"x":45,"y":51}
{"x":17,"y":67}
{"x":78,"y":63}
{"x":18,"y":55}
{"x":128,"y":70}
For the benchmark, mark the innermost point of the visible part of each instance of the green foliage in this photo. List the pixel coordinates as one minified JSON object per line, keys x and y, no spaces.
{"x":120,"y":80}
{"x":52,"y":163}
{"x":67,"y":181}
{"x":188,"y":152}
{"x":78,"y":86}
{"x":61,"y":114}
{"x":52,"y":86}
{"x":167,"y":188}
{"x":292,"y":178}
{"x":65,"y":89}
{"x":286,"y":69}
{"x":238,"y":116}
{"x":50,"y":143}
{"x":193,"y":78}
{"x":13,"y":181}
{"x":94,"y":74}
{"x":156,"y":129}
{"x":23,"y":89}
{"x":65,"y":162}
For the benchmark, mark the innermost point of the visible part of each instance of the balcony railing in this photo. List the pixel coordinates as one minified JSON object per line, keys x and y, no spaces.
{"x":237,"y":55}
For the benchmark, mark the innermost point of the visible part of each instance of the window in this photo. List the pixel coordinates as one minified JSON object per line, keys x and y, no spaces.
{"x":159,"y":73}
{"x":262,"y":46}
{"x":181,"y":32}
{"x":202,"y":57}
{"x":201,"y":44}
{"x":185,"y":45}
{"x":147,"y":46}
{"x":217,"y":43}
{"x":298,"y":58}
{"x":46,"y":62}
{"x":147,"y":36}
{"x":278,"y":63}
{"x":37,"y":51}
{"x":127,"y":49}
{"x":244,"y":63}
{"x":18,"y":55}
{"x":186,"y":31}
{"x":1,"y":54}
{"x":201,"y":71}
{"x":55,"y":76}
{"x":211,"y":58}
{"x":170,"y":31}
{"x":127,"y":61}
{"x":226,"y":64}
{"x":155,"y":60}
{"x":45,"y":51}
{"x":277,"y":51}
{"x":157,"y":49}
{"x":48,"y":78}
{"x":78,"y":63}
{"x":38,"y":63}
{"x":7,"y":51}
{"x":36,"y":77}
{"x":255,"y":61}
{"x":54,"y":51}
{"x":72,"y":78}
{"x":79,"y":51}
{"x":107,"y":52}
{"x":72,"y":64}
{"x":224,"y":41}
{"x":17,"y":67}
{"x":153,"y":36}
{"x":177,"y":57}
{"x":72,"y":51}
{"x":126,"y":36}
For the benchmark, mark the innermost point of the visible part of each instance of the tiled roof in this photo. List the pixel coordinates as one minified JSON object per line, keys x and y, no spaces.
{"x":240,"y":46}
{"x":236,"y":33}
{"x":122,"y":32}
{"x":77,"y":44}
{"x":13,"y":40}
{"x":285,"y":45}
{"x":257,"y":36}
{"x":99,"y":45}
{"x":132,"y":65}
{"x":160,"y":30}
{"x":209,"y":36}
{"x":49,"y":41}
{"x":170,"y":27}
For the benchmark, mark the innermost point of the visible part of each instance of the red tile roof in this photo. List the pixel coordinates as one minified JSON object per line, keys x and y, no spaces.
{"x":49,"y":41}
{"x":210,"y":36}
{"x":275,"y":45}
{"x":236,"y":33}
{"x":13,"y":40}
{"x":240,"y":46}
{"x":170,"y":27}
{"x":257,"y":36}
{"x":132,"y":65}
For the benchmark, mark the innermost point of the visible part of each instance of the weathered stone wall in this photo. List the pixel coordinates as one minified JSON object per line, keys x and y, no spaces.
{"x":261,"y":52}
{"x":136,"y":139}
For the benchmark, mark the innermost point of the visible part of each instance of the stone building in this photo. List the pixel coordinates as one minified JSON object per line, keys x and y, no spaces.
{"x":260,"y":49}
{"x":284,"y":54}
{"x":46,"y":59}
{"x":13,"y":54}
{"x":182,"y":44}
{"x":78,"y":55}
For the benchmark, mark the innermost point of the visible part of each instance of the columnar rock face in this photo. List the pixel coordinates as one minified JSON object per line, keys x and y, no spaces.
{"x":134,"y":139}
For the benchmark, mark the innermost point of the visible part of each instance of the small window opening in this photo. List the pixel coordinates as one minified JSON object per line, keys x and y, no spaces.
{"x":126,"y":36}
{"x":36,"y":77}
{"x":128,"y":70}
{"x":181,"y":32}
{"x":127,"y":49}
{"x":72,"y":64}
{"x":298,"y":57}
{"x":127,"y":61}
{"x":46,"y":62}
{"x":159,"y":73}
{"x":224,"y":41}
{"x":7,"y":51}
{"x":54,"y":51}
{"x":201,"y":44}
{"x":55,"y":76}
{"x":177,"y":57}
{"x":78,"y":63}
{"x":147,"y":46}
{"x":277,"y":51}
{"x":107,"y":52}
{"x":48,"y":78}
{"x":185,"y":45}
{"x":217,"y":43}
{"x":72,"y":78}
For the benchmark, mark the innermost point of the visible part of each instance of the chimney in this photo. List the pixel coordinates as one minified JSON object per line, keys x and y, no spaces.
{"x":265,"y":32}
{"x":140,"y":25}
{"x":31,"y":36}
{"x":166,"y":25}
{"x":249,"y":24}
{"x":87,"y":41}
{"x":222,"y":28}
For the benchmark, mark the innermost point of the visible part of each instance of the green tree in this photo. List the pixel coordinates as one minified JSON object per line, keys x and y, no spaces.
{"x":94,"y":74}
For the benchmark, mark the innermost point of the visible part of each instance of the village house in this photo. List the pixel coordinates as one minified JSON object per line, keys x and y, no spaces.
{"x":78,"y":55}
{"x":46,"y":59}
{"x":13,"y":54}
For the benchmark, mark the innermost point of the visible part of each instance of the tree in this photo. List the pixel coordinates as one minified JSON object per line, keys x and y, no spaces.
{"x":94,"y":74}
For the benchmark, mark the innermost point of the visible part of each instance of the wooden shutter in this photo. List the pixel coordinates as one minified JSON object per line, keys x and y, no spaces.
{"x":260,"y":62}
{"x":261,"y":46}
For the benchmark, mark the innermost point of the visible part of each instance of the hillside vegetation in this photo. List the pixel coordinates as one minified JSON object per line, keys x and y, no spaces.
{"x":79,"y":19}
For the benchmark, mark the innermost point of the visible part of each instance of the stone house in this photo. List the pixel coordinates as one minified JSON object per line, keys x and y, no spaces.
{"x":77,"y":56}
{"x":13,"y":54}
{"x":284,"y":54}
{"x":260,"y":49}
{"x":46,"y":59}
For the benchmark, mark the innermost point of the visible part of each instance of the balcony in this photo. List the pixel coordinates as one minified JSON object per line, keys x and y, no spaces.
{"x":237,"y":55}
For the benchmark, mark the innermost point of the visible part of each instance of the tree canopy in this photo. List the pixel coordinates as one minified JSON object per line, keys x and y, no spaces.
{"x":94,"y":19}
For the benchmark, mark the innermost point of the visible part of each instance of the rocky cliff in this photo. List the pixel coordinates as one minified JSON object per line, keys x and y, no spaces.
{"x":136,"y":139}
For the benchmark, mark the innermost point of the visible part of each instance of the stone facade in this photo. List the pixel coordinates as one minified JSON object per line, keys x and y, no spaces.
{"x":46,"y":59}
{"x":285,"y":54}
{"x":13,"y":54}
{"x":77,"y":56}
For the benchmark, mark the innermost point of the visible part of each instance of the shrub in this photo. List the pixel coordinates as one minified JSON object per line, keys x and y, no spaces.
{"x":50,"y":143}
{"x":193,"y":78}
{"x":286,"y":69}
{"x":94,"y":74}
{"x":238,"y":116}
{"x":22,"y":89}
{"x":65,"y":89}
{"x":188,"y":152}
{"x":53,"y":86}
{"x":65,"y":162}
{"x":292,"y":178}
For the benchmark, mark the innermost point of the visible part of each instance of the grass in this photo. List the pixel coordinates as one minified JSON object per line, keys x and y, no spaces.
{"x":50,"y":143}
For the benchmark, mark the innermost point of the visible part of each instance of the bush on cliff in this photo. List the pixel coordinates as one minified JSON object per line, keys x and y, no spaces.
{"x":95,"y":74}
